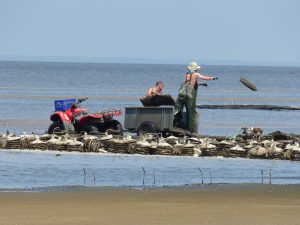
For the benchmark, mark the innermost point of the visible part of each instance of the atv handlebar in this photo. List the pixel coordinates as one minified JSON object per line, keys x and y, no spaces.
{"x":79,"y":100}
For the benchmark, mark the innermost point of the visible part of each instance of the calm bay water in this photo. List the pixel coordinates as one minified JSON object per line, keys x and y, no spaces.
{"x":28,"y":89}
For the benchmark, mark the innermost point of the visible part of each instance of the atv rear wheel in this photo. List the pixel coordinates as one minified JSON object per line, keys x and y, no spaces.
{"x":117,"y":126}
{"x":90,"y":129}
{"x":114,"y":127}
{"x":55,"y":127}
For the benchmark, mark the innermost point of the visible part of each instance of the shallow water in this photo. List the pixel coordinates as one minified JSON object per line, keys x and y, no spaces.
{"x":28,"y":89}
{"x":33,"y":169}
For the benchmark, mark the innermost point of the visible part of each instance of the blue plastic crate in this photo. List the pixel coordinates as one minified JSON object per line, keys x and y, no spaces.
{"x":63,"y":105}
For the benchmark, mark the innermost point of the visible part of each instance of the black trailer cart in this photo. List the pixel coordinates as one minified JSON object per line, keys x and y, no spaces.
{"x":154,"y":120}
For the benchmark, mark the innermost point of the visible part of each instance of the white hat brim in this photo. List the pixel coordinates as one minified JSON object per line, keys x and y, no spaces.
{"x":194,"y":68}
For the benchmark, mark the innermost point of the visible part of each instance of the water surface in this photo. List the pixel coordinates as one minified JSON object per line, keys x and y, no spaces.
{"x":28,"y":89}
{"x":33,"y":169}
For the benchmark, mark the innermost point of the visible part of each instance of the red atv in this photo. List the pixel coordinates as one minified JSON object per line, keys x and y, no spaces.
{"x":69,"y":116}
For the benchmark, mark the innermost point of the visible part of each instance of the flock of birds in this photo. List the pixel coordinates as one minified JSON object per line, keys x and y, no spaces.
{"x":268,"y":148}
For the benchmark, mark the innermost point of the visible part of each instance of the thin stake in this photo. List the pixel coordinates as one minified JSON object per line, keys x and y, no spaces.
{"x":202,"y":181}
{"x":262,"y":176}
{"x":84,"y":176}
{"x":154,"y":180}
{"x":210,"y":176}
{"x":144,"y":172}
{"x":270,"y":173}
{"x":94,"y":178}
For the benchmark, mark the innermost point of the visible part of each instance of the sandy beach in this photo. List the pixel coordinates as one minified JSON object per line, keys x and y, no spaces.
{"x":217,"y":204}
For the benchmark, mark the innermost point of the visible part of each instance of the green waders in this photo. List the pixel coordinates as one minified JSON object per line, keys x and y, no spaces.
{"x":187,"y":97}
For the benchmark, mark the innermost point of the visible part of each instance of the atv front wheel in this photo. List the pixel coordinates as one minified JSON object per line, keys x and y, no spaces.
{"x":55,"y":127}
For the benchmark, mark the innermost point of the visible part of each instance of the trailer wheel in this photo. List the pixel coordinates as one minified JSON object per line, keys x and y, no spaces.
{"x":146,"y":127}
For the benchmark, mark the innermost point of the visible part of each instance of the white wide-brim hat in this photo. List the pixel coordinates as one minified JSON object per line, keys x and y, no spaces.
{"x":193,"y":66}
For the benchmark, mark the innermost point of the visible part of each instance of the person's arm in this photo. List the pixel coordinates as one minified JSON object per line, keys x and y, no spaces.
{"x":149,"y":93}
{"x":200,"y":76}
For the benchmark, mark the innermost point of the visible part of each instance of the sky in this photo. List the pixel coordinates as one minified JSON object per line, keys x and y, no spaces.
{"x":233,"y":31}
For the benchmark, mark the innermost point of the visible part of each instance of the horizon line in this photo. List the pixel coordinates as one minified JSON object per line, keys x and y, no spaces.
{"x":79,"y":59}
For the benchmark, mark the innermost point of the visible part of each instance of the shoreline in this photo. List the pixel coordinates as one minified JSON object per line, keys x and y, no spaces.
{"x":230,"y":204}
{"x":187,"y":187}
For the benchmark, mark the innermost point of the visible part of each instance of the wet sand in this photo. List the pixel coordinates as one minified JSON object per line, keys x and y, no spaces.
{"x":218,"y":204}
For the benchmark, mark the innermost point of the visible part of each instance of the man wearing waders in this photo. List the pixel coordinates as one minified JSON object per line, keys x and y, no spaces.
{"x":187,"y":95}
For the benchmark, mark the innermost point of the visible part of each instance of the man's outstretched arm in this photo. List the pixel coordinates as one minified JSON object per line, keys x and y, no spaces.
{"x":200,"y":76}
